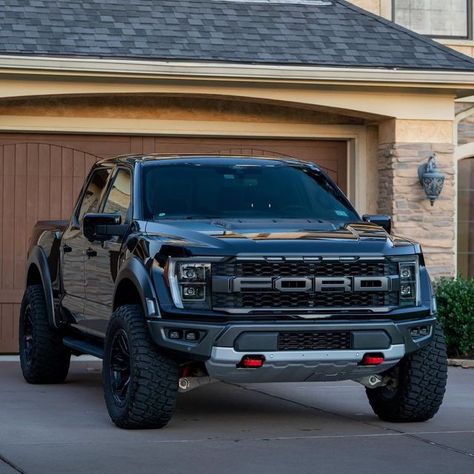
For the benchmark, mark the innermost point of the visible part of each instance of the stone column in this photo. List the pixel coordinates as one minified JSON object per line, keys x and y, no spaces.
{"x":403,"y":146}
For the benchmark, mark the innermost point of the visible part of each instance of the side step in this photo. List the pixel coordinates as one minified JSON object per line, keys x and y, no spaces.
{"x":84,"y":347}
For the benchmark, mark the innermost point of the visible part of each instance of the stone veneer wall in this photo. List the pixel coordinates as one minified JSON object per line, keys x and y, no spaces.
{"x":402,"y":197}
{"x":466,"y":128}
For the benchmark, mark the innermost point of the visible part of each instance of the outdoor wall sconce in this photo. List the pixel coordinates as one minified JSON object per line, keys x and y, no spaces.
{"x":431,"y":179}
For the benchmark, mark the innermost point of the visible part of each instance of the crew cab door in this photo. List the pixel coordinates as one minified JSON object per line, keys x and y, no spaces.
{"x":102,"y":258}
{"x":74,"y":245}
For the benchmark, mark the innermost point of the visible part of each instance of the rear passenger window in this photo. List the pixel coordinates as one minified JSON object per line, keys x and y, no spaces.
{"x":118,"y":200}
{"x":90,"y":201}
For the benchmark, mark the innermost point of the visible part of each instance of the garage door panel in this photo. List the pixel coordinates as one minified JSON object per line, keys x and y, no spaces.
{"x":9,"y":327}
{"x":41,"y":176}
{"x":39,"y":182}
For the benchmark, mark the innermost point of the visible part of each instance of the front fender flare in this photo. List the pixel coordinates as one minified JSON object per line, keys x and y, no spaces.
{"x":134,"y":271}
{"x":37,"y":258}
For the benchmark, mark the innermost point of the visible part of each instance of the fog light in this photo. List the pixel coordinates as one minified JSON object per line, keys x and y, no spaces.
{"x":175,"y":334}
{"x":420,"y":331}
{"x":191,"y":336}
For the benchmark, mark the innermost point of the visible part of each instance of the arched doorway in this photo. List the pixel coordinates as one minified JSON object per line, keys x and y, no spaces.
{"x":465,"y":218}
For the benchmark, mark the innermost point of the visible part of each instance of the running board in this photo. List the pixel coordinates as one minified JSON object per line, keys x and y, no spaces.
{"x":84,"y":347}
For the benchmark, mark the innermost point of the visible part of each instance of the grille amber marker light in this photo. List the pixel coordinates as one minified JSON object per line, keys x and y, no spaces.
{"x":251,"y":362}
{"x":372,"y":359}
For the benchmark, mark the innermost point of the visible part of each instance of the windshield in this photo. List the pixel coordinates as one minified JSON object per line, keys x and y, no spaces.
{"x":197,"y":190}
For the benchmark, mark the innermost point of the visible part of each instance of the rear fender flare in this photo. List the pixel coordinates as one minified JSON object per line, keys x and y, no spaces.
{"x":38,"y":259}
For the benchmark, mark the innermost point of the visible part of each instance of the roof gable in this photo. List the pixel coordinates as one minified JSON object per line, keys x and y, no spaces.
{"x":307,"y":32}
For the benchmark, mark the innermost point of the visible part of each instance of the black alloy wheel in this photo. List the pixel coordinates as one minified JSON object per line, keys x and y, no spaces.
{"x":28,"y":335}
{"x":120,"y":366}
{"x":43,"y":356}
{"x":140,"y":381}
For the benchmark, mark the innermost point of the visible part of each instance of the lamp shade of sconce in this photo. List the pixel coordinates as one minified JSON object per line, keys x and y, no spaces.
{"x":431,"y":179}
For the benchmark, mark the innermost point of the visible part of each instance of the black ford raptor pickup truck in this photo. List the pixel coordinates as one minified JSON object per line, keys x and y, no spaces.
{"x":182,"y":270}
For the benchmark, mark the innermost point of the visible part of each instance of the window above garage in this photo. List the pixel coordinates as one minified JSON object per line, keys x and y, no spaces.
{"x":435,"y":18}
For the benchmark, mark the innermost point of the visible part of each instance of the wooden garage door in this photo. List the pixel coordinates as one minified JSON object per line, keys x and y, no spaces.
{"x":41,"y":175}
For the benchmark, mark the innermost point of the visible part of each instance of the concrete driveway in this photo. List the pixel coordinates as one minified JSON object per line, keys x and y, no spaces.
{"x":280,"y":428}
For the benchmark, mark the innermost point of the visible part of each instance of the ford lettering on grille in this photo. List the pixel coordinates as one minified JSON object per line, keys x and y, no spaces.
{"x":311,"y":284}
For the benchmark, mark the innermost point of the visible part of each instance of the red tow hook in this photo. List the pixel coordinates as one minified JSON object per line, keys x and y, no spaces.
{"x":372,"y":359}
{"x":251,"y":362}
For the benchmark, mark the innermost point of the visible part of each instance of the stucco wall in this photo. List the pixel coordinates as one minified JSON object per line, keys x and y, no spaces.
{"x":168,"y":108}
{"x":374,"y":6}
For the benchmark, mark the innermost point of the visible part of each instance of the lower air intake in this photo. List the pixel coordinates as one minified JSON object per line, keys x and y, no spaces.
{"x":313,"y":341}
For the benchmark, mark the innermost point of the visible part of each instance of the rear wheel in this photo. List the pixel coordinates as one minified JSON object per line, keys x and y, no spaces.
{"x":140,"y":383}
{"x":416,"y":386}
{"x":43,"y":357}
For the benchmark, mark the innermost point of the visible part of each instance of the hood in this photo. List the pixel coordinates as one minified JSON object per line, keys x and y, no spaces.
{"x":288,"y":236}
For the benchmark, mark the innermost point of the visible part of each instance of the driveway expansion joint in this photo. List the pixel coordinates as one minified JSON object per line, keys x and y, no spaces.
{"x":11,"y":464}
{"x":393,"y":430}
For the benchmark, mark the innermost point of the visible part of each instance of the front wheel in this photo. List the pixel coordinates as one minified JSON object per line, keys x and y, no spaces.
{"x":416,"y":386}
{"x":140,"y":383}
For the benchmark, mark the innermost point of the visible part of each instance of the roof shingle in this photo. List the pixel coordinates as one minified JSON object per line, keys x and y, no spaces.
{"x":319,"y":33}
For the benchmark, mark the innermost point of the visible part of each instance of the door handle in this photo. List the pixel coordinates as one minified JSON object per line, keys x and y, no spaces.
{"x":66,"y":248}
{"x":91,"y":253}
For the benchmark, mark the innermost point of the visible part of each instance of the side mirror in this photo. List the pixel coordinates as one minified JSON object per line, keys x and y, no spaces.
{"x":102,"y":227}
{"x":381,"y":220}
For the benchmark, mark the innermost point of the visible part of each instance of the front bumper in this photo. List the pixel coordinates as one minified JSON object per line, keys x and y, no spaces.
{"x":222,"y":347}
{"x":299,"y":366}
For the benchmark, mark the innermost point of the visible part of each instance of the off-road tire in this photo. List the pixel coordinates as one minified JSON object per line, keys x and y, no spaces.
{"x":153,"y":377}
{"x":420,"y":383}
{"x":43,"y":357}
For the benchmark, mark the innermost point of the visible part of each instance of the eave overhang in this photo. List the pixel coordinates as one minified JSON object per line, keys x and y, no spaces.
{"x":462,"y":83}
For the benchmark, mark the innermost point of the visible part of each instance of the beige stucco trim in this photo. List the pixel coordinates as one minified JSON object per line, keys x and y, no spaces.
{"x":386,"y":9}
{"x":377,"y":104}
{"x":416,"y":131}
{"x":464,"y":114}
{"x":356,"y":135}
{"x":464,"y":151}
{"x":230,"y":71}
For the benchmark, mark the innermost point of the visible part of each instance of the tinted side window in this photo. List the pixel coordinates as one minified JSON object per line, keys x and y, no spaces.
{"x":118,"y":200}
{"x":91,"y":199}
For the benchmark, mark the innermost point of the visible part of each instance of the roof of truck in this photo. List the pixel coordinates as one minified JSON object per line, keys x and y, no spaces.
{"x":202,"y":158}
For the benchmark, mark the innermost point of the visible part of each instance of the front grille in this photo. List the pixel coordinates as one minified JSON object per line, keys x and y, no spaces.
{"x":276,"y":299}
{"x":322,"y":269}
{"x":249,"y":299}
{"x":313,"y":341}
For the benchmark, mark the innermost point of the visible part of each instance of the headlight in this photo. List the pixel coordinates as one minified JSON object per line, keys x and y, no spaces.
{"x":189,"y":283}
{"x":409,"y":291}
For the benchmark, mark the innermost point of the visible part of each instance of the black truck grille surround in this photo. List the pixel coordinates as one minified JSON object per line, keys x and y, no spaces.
{"x":255,"y":299}
{"x":313,"y":341}
{"x":276,"y":300}
{"x":295,"y":269}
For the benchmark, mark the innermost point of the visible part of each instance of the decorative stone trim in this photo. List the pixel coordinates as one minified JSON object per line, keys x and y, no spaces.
{"x":402,"y":197}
